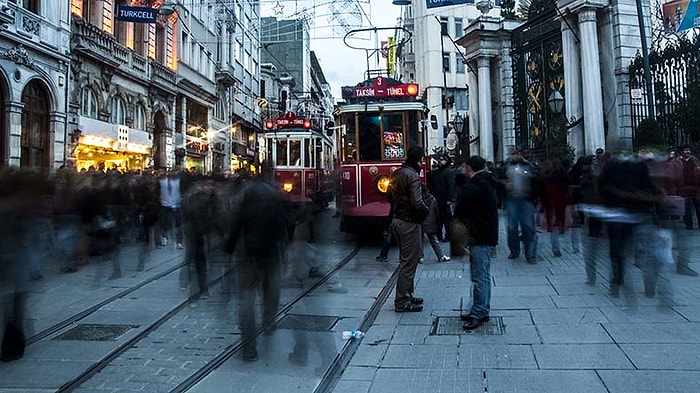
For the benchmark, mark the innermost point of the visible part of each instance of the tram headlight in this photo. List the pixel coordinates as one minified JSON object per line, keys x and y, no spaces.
{"x":382,"y":184}
{"x":288,"y":187}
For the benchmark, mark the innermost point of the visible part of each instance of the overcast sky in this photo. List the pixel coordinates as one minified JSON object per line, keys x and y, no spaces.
{"x":341,"y":65}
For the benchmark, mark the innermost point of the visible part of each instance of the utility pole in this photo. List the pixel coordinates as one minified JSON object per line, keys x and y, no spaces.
{"x":645,"y":59}
{"x":444,"y":81}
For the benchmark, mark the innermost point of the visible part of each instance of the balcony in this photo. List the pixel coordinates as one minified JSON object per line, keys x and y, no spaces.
{"x":35,"y":28}
{"x":91,"y":41}
{"x":163,"y":76}
{"x":225,"y":76}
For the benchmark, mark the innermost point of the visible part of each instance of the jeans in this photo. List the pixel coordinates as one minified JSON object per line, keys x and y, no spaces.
{"x":690,"y":205}
{"x":480,"y":261}
{"x":408,"y":235}
{"x":521,"y":217}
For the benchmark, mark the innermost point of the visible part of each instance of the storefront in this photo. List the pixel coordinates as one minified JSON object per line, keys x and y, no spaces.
{"x":196,"y":154}
{"x":104,"y":146}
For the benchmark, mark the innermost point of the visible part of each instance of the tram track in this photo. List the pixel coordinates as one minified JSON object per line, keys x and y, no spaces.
{"x":211,"y":365}
{"x":57,"y":327}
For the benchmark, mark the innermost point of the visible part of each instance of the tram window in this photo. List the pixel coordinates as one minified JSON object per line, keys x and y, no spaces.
{"x":394,"y":137}
{"x":319,"y":154}
{"x":295,"y":153}
{"x":309,"y":157}
{"x":350,"y":150}
{"x":370,"y":138}
{"x":281,"y":153}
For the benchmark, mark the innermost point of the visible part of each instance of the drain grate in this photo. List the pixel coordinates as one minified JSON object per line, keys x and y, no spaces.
{"x":443,"y":326}
{"x":95,"y":332}
{"x":313,"y":323}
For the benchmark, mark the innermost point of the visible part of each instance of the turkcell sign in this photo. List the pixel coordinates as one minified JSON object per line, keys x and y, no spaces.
{"x":137,"y":14}
{"x":445,"y":3}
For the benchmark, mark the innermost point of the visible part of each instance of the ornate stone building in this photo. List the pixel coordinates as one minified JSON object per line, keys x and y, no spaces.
{"x":34,"y":58}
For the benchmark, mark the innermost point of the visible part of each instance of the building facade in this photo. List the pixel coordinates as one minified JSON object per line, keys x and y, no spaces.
{"x":34,"y":64}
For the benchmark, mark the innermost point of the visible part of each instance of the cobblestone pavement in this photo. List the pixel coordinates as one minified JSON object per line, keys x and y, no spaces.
{"x":549,"y":331}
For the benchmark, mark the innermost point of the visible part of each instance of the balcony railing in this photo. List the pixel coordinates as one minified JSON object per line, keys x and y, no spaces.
{"x":93,"y":40}
{"x":162,"y":74}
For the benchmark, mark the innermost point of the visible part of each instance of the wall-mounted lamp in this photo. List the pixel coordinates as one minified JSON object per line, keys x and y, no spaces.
{"x":556,"y":102}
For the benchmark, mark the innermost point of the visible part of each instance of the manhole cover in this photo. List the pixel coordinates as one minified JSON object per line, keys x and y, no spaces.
{"x":453,"y":326}
{"x":313,"y":323}
{"x":95,"y":332}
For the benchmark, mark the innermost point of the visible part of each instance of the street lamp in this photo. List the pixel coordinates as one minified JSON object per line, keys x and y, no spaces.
{"x":556,"y":102}
{"x":459,"y":124}
{"x":401,"y":2}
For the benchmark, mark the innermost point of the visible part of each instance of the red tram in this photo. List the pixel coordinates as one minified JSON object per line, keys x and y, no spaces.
{"x":303,"y":160}
{"x":378,"y":120}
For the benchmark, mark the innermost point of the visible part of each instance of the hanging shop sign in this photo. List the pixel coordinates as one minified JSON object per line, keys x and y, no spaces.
{"x":444,"y":3}
{"x":137,"y":14}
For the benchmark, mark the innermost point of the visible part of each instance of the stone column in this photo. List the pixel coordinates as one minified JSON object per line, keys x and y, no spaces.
{"x":594,"y":127}
{"x":485,"y":114}
{"x":473,"y":84}
{"x":572,"y":87}
{"x":57,"y":138}
{"x":507,"y":105}
{"x":14,"y":125}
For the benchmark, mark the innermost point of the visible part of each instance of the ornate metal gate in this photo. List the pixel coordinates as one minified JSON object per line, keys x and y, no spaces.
{"x":538,"y":73}
{"x":675,"y":71}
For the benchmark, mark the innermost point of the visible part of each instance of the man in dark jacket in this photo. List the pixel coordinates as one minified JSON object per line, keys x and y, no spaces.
{"x":477,"y":208}
{"x":409,"y":211}
{"x":441,"y":184}
{"x":262,"y":223}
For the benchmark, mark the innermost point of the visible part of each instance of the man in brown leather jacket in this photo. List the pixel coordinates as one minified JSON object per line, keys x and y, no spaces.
{"x":409,"y":211}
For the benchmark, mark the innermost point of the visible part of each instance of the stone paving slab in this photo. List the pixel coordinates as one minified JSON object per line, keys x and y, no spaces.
{"x":414,"y":380}
{"x":497,"y":356}
{"x":420,"y":356}
{"x":538,"y":381}
{"x":636,"y":381}
{"x":663,"y":356}
{"x":581,"y":357}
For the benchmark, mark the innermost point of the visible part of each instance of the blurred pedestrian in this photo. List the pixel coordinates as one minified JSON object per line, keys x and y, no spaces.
{"x":520,"y":209}
{"x":685,"y":175}
{"x":170,"y":191}
{"x":410,"y":210}
{"x":477,"y":207}
{"x":433,"y":225}
{"x":630,"y":197}
{"x":441,"y":184}
{"x":261,"y":225}
{"x":554,"y":198}
{"x":201,"y":212}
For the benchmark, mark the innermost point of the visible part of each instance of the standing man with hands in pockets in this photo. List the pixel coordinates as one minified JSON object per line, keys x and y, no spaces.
{"x":477,"y":208}
{"x":409,"y":210}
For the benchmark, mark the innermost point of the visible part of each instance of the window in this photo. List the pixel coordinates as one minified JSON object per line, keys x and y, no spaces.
{"x":458,"y":27}
{"x":446,"y":62}
{"x":118,"y":111}
{"x":92,"y":12}
{"x":31,"y":6}
{"x":185,"y":47}
{"x":461,"y":99}
{"x":89,"y":103}
{"x":460,"y":64}
{"x":281,"y":152}
{"x":443,"y":25}
{"x":141,"y":38}
{"x":139,"y":118}
{"x":160,"y":43}
{"x":262,"y":88}
{"x":393,"y":138}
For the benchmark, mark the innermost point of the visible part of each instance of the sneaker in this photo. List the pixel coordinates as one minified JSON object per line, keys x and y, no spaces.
{"x":421,"y":260}
{"x":204,"y":295}
{"x":337,"y":288}
{"x":444,"y":258}
{"x":163,"y":241}
{"x":409,"y":307}
{"x":381,"y":259}
{"x":180,"y":246}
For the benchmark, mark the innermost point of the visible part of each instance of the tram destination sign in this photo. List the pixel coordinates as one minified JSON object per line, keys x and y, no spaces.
{"x":445,"y":3}
{"x":380,"y":89}
{"x":137,"y":14}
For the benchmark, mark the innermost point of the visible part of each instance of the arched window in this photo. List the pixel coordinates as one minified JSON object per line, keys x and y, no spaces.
{"x":88,"y":107}
{"x":139,"y":117}
{"x":34,"y":143}
{"x":118,"y":111}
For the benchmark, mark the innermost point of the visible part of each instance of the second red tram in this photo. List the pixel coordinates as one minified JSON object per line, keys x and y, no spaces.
{"x":379,"y":119}
{"x":303,"y":160}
